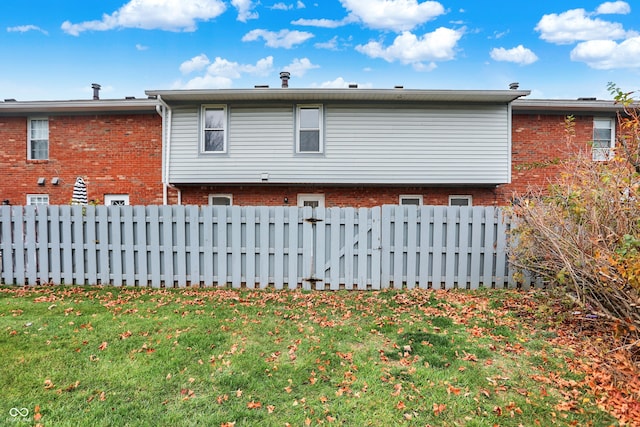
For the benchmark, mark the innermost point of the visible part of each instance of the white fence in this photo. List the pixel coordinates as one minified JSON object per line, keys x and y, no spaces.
{"x":256,"y":247}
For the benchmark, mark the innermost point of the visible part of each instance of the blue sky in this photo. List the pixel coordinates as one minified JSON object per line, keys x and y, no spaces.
{"x":54,"y":50}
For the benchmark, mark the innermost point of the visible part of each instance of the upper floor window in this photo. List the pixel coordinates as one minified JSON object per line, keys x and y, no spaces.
{"x":603,"y":137}
{"x":37,"y":199}
{"x":214,"y":129}
{"x":38,"y":144}
{"x":309,"y":129}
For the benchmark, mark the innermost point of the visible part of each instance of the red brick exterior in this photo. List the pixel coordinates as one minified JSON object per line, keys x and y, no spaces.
{"x":114,"y":153}
{"x":122,"y":154}
{"x":339,"y":196}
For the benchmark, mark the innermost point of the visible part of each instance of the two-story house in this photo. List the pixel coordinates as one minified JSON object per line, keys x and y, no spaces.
{"x":286,"y":146}
{"x":114,"y":145}
{"x":337,"y":147}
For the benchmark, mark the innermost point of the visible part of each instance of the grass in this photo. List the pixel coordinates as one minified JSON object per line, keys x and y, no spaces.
{"x":202,"y":357}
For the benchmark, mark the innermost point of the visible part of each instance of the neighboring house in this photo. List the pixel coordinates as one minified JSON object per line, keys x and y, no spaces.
{"x":114,"y":145}
{"x":542,"y":138}
{"x":337,"y":147}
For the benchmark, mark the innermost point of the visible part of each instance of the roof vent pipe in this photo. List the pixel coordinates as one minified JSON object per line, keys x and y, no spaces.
{"x":96,"y":90}
{"x":514,"y":86}
{"x":284,"y":76}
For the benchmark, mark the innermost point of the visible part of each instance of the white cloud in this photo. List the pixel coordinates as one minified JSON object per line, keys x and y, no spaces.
{"x":282,"y":6}
{"x":409,"y":49}
{"x":395,"y":15}
{"x":300,"y":66}
{"x":283,"y":38}
{"x":607,"y":54}
{"x":329,"y":45}
{"x":166,"y":15}
{"x":323,"y":23}
{"x":300,"y":5}
{"x":25,"y":29}
{"x":141,"y":47}
{"x":614,"y":7}
{"x":576,"y":25}
{"x":520,"y":55}
{"x":205,"y":82}
{"x":197,"y":63}
{"x":340,"y":83}
{"x":245,"y":10}
{"x":221,"y":73}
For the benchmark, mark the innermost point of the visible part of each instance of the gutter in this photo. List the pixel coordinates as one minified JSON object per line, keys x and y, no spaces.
{"x":166,"y":114}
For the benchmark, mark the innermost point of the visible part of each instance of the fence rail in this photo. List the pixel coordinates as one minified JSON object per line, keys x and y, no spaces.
{"x":256,"y":247}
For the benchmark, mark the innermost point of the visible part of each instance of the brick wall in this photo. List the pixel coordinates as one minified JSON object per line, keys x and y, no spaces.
{"x":355,"y":196}
{"x":115,"y":154}
{"x":539,"y":145}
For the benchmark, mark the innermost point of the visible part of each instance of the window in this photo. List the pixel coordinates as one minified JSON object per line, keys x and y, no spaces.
{"x":220,"y":199}
{"x":214,"y":124}
{"x":411,"y":200}
{"x":603,"y":137}
{"x":38,"y":145}
{"x":116,"y":199}
{"x":460,"y":200}
{"x":313,"y":200}
{"x":37,"y":199}
{"x":309,"y":123}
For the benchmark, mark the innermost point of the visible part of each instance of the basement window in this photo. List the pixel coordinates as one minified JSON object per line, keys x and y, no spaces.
{"x":37,"y":199}
{"x":456,"y":200}
{"x":411,"y":200}
{"x":220,"y":199}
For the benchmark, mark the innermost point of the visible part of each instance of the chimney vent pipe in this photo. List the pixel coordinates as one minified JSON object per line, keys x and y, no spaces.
{"x":96,"y":90}
{"x":284,"y":76}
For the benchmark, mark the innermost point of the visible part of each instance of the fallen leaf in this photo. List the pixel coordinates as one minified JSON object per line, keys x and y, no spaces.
{"x":438,"y":408}
{"x":254,"y":405}
{"x":103,"y":346}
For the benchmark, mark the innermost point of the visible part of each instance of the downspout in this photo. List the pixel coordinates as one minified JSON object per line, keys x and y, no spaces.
{"x":165,"y":110}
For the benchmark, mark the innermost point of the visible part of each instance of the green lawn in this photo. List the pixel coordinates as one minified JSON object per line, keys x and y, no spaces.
{"x":157,"y":357}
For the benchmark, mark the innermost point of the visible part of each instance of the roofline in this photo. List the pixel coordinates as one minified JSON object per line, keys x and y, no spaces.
{"x":567,"y":105}
{"x":342,"y":94}
{"x":78,"y":106}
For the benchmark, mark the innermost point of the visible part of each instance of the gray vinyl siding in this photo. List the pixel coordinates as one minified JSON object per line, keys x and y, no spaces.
{"x":428,"y":144}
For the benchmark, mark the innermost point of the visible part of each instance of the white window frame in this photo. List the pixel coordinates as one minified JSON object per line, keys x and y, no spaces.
{"x":110,"y":198}
{"x":404,"y":197}
{"x":320,"y":128}
{"x":602,"y":154}
{"x":30,"y":138}
{"x":203,"y":129}
{"x":37,"y":199}
{"x":221,"y":196}
{"x":466,"y":197}
{"x":310,"y":197}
